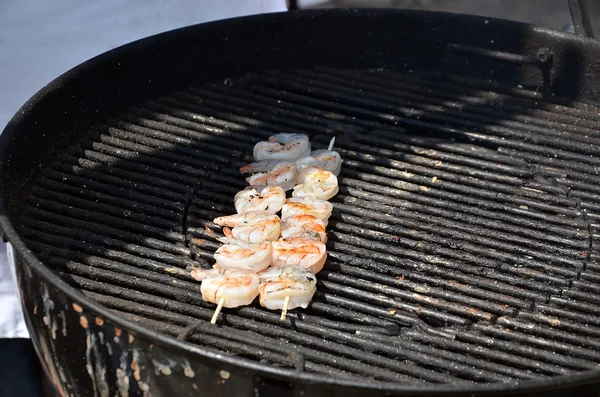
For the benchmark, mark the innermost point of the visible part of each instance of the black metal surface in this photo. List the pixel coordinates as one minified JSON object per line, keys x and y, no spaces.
{"x":586,"y":17}
{"x":462,"y":245}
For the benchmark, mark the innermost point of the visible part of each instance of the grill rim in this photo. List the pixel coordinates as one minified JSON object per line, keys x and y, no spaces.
{"x":9,"y":234}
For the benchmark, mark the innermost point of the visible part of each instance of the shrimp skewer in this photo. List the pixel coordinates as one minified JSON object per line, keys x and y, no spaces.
{"x":252,"y":227}
{"x":307,"y":206}
{"x":304,"y":227}
{"x":259,"y":198}
{"x":283,"y":146}
{"x":308,"y":254}
{"x":318,"y":184}
{"x":277,"y":283}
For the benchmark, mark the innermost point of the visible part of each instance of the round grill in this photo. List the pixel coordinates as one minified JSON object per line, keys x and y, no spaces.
{"x":462,"y":243}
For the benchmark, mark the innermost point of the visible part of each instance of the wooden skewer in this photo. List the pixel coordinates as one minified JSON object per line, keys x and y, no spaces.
{"x":286,"y":302}
{"x":213,"y":320}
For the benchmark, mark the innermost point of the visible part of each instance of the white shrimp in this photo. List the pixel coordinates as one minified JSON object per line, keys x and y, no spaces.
{"x":240,"y":254}
{"x":251,"y":227}
{"x":283,"y":146}
{"x":304,"y":226}
{"x":317,"y":183}
{"x":298,"y":252}
{"x":307,"y":206}
{"x":260,"y":166}
{"x":282,"y":175}
{"x":237,"y":287}
{"x":327,"y":160}
{"x":259,"y":198}
{"x":277,"y":283}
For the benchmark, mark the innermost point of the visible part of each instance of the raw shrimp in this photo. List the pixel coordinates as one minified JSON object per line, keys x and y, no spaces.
{"x":277,"y":283}
{"x":251,"y":227}
{"x":299,"y":252}
{"x":240,"y":254}
{"x":327,"y":160}
{"x":259,"y":198}
{"x":283,"y":146}
{"x":282,"y":175}
{"x":318,"y":184}
{"x":237,"y":287}
{"x":307,"y":206}
{"x":304,"y":226}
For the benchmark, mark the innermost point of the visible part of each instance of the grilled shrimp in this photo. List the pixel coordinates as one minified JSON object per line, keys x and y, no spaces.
{"x":260,"y":166}
{"x":251,"y":227}
{"x":282,"y":175}
{"x":278,"y":282}
{"x":283,"y":146}
{"x":327,"y":160}
{"x":240,"y":254}
{"x":307,"y":206}
{"x":308,"y":254}
{"x":238,"y":287}
{"x":259,"y":198}
{"x":318,"y":184}
{"x":305,"y":227}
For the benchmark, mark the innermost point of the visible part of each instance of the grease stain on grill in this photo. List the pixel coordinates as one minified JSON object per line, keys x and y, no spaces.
{"x":462,"y":243}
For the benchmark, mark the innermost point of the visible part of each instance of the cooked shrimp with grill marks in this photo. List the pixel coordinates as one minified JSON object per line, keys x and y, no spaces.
{"x":259,"y":198}
{"x":251,"y":227}
{"x":237,"y":287}
{"x":260,"y":166}
{"x":307,"y":206}
{"x":318,"y":184}
{"x":325,"y":159}
{"x":282,"y":175}
{"x":308,"y":254}
{"x":283,"y":146}
{"x":305,"y":227}
{"x":240,"y":254}
{"x":277,"y":283}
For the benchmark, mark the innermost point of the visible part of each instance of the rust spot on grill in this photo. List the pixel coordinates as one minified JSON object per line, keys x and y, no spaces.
{"x":136,"y":370}
{"x":83,"y":322}
{"x":99,"y":321}
{"x":395,"y":238}
{"x":400,"y":277}
{"x":77,"y":308}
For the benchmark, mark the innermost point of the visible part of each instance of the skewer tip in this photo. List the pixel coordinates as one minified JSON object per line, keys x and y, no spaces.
{"x":331,"y":144}
{"x":286,"y":302}
{"x":213,"y":320}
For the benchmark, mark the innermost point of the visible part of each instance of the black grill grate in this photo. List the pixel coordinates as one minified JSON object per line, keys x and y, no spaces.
{"x":462,"y":244}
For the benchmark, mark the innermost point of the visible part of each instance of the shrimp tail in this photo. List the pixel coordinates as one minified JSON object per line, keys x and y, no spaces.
{"x":227,"y":232}
{"x":330,"y":148}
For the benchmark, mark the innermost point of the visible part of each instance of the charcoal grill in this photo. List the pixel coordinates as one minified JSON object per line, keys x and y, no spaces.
{"x":463,"y":251}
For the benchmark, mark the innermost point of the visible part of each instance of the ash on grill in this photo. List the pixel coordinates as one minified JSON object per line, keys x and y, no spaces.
{"x":462,"y":243}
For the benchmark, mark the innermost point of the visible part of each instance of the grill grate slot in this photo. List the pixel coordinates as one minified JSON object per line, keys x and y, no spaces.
{"x":462,"y":244}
